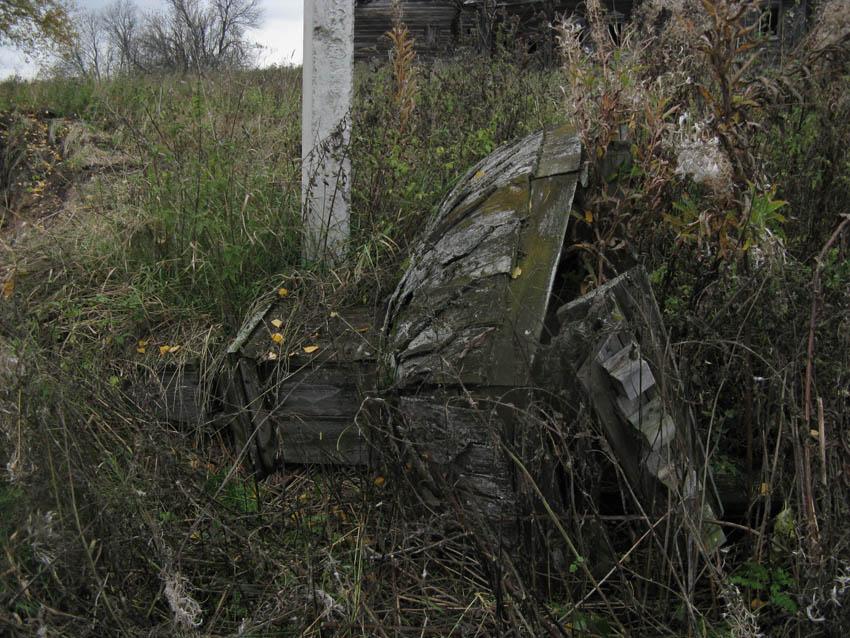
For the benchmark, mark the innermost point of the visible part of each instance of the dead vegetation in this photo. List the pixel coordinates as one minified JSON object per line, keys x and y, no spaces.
{"x":137,"y":250}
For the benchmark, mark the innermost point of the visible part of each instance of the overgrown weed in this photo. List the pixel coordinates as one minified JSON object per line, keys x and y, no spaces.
{"x":117,"y":523}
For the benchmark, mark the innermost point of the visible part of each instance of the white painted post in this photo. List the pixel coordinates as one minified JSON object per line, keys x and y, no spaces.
{"x":326,"y":126}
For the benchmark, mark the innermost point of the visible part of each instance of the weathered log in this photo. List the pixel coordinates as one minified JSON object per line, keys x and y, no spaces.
{"x":297,"y":375}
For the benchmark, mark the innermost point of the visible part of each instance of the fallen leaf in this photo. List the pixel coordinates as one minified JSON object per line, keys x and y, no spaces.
{"x":479,"y":174}
{"x":764,"y":489}
{"x":277,"y":337}
{"x":282,"y":292}
{"x":379,"y":481}
{"x":334,"y":314}
{"x":277,"y":323}
{"x":310,"y":349}
{"x":588,"y":216}
{"x":8,"y":288}
{"x":164,"y":350}
{"x":516,"y":272}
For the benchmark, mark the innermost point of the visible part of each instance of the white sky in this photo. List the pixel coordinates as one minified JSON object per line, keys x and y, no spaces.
{"x":281,"y":35}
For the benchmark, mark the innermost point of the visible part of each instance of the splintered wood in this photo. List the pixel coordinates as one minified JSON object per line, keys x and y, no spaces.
{"x":479,"y":359}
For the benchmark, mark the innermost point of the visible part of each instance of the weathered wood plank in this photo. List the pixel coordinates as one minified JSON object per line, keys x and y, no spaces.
{"x":431,"y":24}
{"x":304,"y":369}
{"x":457,"y":439}
{"x":321,"y":440}
{"x":613,"y":341}
{"x":471,"y":306}
{"x":173,"y":393}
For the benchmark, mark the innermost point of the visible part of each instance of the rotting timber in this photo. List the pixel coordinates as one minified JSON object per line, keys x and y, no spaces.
{"x":474,"y":341}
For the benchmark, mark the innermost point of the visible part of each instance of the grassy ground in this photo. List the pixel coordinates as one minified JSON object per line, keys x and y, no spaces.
{"x":142,"y":218}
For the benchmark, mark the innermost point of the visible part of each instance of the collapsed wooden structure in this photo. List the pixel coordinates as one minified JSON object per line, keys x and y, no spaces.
{"x":478,"y":334}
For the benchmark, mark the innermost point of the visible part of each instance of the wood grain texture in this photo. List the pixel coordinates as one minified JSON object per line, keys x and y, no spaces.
{"x":302,"y":370}
{"x":470,"y":308}
{"x":464,"y":324}
{"x":613,"y":342}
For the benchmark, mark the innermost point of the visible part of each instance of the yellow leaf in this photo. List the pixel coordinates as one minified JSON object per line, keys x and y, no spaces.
{"x":379,"y":481}
{"x":756,"y":603}
{"x":174,"y":349}
{"x":588,"y":216}
{"x":516,"y":272}
{"x":480,"y":174}
{"x":195,"y":536}
{"x":277,"y":337}
{"x":334,"y":314}
{"x":277,"y":323}
{"x":764,"y":489}
{"x":164,"y":350}
{"x":282,"y":292}
{"x":310,"y":349}
{"x":140,"y":350}
{"x":814,"y":434}
{"x":8,"y":288}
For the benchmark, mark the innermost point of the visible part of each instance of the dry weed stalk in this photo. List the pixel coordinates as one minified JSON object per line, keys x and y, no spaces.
{"x":404,"y":72}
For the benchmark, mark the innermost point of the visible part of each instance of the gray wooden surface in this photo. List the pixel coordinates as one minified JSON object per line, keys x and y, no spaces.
{"x":464,"y":325}
{"x":297,"y":376}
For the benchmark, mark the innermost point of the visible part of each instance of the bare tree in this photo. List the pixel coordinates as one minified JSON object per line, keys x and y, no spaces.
{"x":122,"y":24}
{"x":232,"y":19}
{"x":189,"y":35}
{"x":197,"y":35}
{"x":89,"y":53}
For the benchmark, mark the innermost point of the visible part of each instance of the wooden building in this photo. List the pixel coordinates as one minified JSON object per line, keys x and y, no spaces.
{"x":440,"y":27}
{"x":434,"y":25}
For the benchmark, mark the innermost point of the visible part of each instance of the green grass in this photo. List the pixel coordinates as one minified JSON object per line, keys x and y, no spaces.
{"x":199,"y":214}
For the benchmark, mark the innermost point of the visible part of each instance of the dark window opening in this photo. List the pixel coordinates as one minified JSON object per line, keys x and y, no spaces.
{"x":769,"y":21}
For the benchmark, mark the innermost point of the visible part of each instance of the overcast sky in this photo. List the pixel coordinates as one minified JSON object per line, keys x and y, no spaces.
{"x":281,"y":35}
